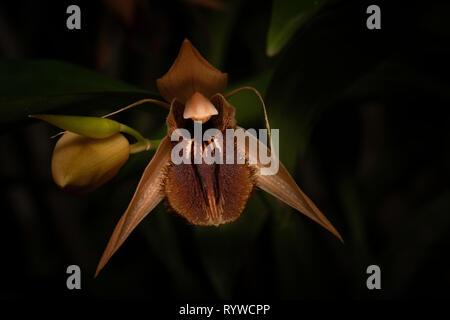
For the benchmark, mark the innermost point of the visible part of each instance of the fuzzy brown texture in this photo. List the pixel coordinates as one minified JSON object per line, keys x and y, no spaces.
{"x":209,"y":194}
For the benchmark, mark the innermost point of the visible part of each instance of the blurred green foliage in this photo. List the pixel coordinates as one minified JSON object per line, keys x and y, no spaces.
{"x":287,"y":18}
{"x":30,"y":87}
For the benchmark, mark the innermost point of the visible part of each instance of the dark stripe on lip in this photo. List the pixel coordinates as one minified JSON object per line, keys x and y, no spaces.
{"x":216,"y":181}
{"x":197,"y":176}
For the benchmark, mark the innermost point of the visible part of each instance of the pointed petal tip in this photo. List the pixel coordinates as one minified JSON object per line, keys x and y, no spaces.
{"x":320,"y":218}
{"x":282,"y":186}
{"x":146,"y":197}
{"x":190,"y":72}
{"x":336,"y":234}
{"x":317,"y":216}
{"x":99,"y":268}
{"x":106,"y":256}
{"x":186,"y":43}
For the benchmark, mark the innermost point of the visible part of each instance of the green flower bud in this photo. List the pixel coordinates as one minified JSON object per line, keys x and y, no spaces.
{"x":81,"y":164}
{"x":91,"y":127}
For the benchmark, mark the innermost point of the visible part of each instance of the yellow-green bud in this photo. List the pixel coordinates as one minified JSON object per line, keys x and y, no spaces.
{"x":81,"y":164}
{"x":92,"y":127}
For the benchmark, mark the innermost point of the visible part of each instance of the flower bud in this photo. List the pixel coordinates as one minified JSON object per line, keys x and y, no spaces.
{"x":81,"y":164}
{"x":92,"y":127}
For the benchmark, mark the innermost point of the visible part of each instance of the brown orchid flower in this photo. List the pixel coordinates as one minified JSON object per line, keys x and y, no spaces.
{"x":204,"y":194}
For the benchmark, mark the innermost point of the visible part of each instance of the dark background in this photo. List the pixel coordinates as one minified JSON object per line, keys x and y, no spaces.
{"x":363,"y":130}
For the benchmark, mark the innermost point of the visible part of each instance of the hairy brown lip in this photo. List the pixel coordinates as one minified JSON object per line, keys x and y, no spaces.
{"x":201,"y":177}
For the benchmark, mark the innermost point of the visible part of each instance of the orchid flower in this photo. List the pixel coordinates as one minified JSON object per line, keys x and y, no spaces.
{"x":210,"y":194}
{"x":204,"y":194}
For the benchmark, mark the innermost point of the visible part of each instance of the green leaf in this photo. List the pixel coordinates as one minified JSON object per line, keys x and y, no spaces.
{"x":314,"y":73}
{"x":40,"y":86}
{"x":287,"y":18}
{"x":221,"y":24}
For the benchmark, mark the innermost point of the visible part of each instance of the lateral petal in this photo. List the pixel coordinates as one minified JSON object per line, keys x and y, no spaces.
{"x":282,"y":186}
{"x":148,"y":194}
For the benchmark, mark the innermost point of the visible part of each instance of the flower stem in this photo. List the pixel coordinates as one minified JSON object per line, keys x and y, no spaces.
{"x":132,"y":132}
{"x":144,"y":145}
